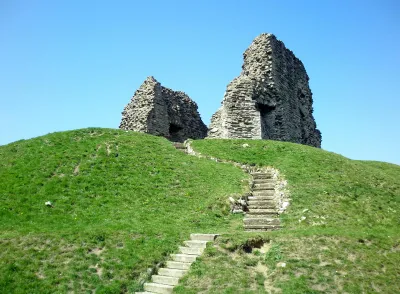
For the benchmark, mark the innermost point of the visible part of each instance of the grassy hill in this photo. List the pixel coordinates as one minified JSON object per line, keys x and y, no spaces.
{"x":122,"y":201}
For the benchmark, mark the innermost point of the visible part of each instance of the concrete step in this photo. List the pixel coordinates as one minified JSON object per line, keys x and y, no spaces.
{"x":264,"y":206}
{"x":158,"y":288}
{"x":262,"y":181}
{"x":262,"y":198}
{"x":262,"y":221}
{"x":261,"y":227}
{"x":261,"y":211}
{"x":180,"y":146}
{"x":167,"y":277}
{"x":183,"y":257}
{"x":264,"y":187}
{"x":261,"y":175}
{"x":262,"y":215}
{"x":172,"y":281}
{"x":171,"y":272}
{"x":178,"y":265}
{"x":271,"y":214}
{"x":261,"y":202}
{"x":195,"y":244}
{"x":264,"y":193}
{"x":189,"y":250}
{"x":203,"y":237}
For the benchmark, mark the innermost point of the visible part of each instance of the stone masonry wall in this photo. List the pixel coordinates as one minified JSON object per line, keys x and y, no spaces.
{"x":160,"y":111}
{"x":271,"y":98}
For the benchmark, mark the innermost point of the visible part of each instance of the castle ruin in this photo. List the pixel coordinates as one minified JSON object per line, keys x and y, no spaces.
{"x":160,"y":111}
{"x":271,"y":99}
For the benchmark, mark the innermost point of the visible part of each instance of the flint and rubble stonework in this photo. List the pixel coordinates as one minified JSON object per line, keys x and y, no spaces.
{"x":271,"y":99}
{"x":160,"y":111}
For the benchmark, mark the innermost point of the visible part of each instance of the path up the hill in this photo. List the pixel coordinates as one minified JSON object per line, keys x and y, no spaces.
{"x":263,"y":213}
{"x":168,"y":277}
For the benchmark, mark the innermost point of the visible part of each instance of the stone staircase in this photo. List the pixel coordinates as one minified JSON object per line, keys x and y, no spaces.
{"x":263,"y":213}
{"x":262,"y":203}
{"x":180,"y":146}
{"x":168,"y":277}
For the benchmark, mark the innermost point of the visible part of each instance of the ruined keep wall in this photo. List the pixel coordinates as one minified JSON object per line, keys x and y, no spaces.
{"x":270,"y":99}
{"x":160,"y":111}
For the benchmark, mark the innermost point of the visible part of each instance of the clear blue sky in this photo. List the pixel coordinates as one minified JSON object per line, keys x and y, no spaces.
{"x":75,"y":64}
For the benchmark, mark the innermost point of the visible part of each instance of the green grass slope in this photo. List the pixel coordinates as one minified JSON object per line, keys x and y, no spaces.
{"x":341,"y":232}
{"x":122,"y":202}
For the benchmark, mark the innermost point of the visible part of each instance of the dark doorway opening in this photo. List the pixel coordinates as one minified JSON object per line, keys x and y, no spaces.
{"x":267,"y":118}
{"x":175,"y":133}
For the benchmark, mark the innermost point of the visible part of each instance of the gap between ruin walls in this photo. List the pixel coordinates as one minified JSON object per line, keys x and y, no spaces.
{"x":281,"y":187}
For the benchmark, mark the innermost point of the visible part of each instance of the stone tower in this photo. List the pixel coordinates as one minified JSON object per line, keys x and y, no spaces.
{"x":160,"y":111}
{"x":271,"y":99}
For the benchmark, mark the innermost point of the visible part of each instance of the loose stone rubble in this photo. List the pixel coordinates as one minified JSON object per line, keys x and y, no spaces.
{"x":160,"y":111}
{"x":271,"y":99}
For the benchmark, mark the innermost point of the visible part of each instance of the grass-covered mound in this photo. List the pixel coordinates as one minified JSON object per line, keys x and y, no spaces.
{"x":122,"y":202}
{"x":341,"y":233}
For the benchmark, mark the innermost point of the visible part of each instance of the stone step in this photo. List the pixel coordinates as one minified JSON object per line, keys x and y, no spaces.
{"x":261,"y":202}
{"x":183,"y":257}
{"x":261,"y":211}
{"x":261,"y":175}
{"x":180,"y":146}
{"x":265,"y":213}
{"x":263,"y":187}
{"x":178,"y":265}
{"x":262,"y":221}
{"x":264,"y":193}
{"x":171,"y":272}
{"x":261,"y":198}
{"x":261,"y":227}
{"x":271,"y":215}
{"x":190,"y":250}
{"x":172,"y":281}
{"x":264,"y":206}
{"x":264,"y":181}
{"x":195,"y":244}
{"x":158,"y":288}
{"x":203,"y":237}
{"x":166,"y":278}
